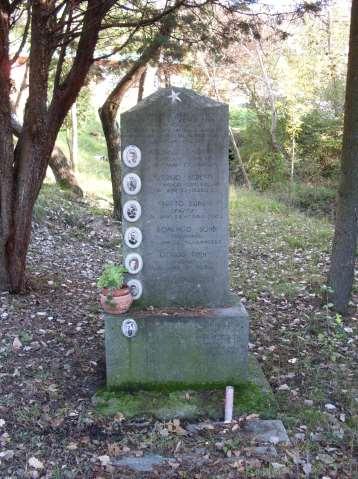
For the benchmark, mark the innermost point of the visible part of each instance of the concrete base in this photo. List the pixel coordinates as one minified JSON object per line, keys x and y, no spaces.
{"x":254,"y":396}
{"x":179,"y":349}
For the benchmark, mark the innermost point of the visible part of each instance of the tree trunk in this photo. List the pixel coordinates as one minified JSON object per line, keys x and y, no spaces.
{"x":141,"y":85}
{"x":23,"y":86}
{"x":107,"y":114}
{"x":63,"y":172}
{"x":239,"y":159}
{"x":212,"y":79}
{"x":23,"y":169}
{"x":74,"y":137}
{"x":6,"y":149}
{"x":58,"y":163}
{"x":30,"y":150}
{"x":341,"y":273}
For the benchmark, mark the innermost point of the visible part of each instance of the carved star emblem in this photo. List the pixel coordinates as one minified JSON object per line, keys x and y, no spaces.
{"x":174,"y":96}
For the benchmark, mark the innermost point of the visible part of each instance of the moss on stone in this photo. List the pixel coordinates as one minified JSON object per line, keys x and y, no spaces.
{"x":189,"y":404}
{"x":168,"y":401}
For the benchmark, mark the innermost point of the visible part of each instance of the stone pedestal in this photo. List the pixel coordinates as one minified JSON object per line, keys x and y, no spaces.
{"x":200,"y":349}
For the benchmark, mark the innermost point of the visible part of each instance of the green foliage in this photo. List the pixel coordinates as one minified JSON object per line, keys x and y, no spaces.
{"x":264,"y":166}
{"x":93,"y":172}
{"x":266,"y":169}
{"x":240,"y":117}
{"x":112,"y":277}
{"x":313,"y":199}
{"x":319,"y":145}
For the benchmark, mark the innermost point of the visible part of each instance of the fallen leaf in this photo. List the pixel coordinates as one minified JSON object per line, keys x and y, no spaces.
{"x":7,"y":454}
{"x":114,"y":449}
{"x":16,"y":344}
{"x":307,"y":468}
{"x":35,"y":463}
{"x":325,"y":458}
{"x":52,"y":388}
{"x":283,"y":387}
{"x":330,"y":407}
{"x":72,"y":446}
{"x":104,"y":460}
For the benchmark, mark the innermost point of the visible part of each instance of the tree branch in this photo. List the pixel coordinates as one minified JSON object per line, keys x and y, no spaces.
{"x":162,"y":36}
{"x":63,"y":50}
{"x":118,"y":49}
{"x":14,"y":5}
{"x":145,"y":22}
{"x":24,"y":35}
{"x":66,"y":92}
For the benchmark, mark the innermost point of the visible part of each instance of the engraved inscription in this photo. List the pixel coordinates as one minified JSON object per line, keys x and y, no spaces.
{"x":184,"y":189}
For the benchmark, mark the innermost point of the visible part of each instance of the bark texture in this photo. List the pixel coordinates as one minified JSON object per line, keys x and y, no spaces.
{"x":59,"y":164}
{"x":22,"y":169}
{"x":343,"y":257}
{"x":141,"y":85}
{"x":108,"y":111}
{"x":6,"y":147}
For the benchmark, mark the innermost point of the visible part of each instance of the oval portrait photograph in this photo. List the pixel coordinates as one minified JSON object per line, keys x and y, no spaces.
{"x":135,"y":287}
{"x":131,"y":184}
{"x":132,"y":210}
{"x":133,"y":263}
{"x":132,"y":156}
{"x":133,"y":237}
{"x":129,"y":328}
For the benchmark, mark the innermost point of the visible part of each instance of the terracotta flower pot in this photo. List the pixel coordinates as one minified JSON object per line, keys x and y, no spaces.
{"x":116,"y":301}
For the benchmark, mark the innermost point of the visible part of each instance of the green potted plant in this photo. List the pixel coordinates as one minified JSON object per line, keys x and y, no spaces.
{"x":115,"y":297}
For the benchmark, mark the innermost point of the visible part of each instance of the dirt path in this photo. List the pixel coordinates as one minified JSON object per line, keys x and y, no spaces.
{"x":49,"y":374}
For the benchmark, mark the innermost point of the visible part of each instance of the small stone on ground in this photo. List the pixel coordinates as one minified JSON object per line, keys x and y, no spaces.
{"x":141,"y":464}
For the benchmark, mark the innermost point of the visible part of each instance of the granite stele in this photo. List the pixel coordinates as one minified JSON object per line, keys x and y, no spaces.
{"x":175,"y":248}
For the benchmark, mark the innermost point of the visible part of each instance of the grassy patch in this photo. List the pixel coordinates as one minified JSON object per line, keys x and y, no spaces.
{"x":309,"y":416}
{"x":313,"y":199}
{"x":93,"y":168}
{"x":54,"y":204}
{"x":287,"y":247}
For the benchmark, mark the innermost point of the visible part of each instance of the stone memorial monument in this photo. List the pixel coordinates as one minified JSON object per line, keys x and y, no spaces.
{"x":185,"y":329}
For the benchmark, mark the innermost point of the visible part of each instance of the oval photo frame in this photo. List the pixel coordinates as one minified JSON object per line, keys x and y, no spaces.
{"x":132,"y":156}
{"x":131,"y":184}
{"x":136,"y":288}
{"x":132,"y":211}
{"x":133,"y":263}
{"x":129,"y":328}
{"x":133,"y":237}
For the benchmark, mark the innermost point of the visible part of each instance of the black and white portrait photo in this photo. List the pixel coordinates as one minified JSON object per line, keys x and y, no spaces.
{"x":131,"y":156}
{"x":135,"y":287}
{"x":132,"y":210}
{"x":129,"y":328}
{"x":133,"y":237}
{"x":131,"y":184}
{"x":133,"y":263}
